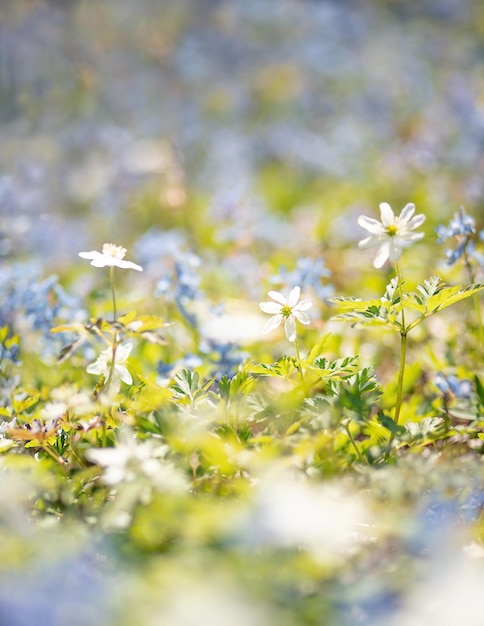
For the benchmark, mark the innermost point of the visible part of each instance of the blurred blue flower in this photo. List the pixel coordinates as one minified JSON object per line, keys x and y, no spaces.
{"x":54,"y":592}
{"x":463,"y":227}
{"x":189,"y":361}
{"x":308,"y":273}
{"x":460,"y":225}
{"x":10,"y":353}
{"x":181,"y":285}
{"x":225,"y":356}
{"x":460,"y":388}
{"x":27,"y":303}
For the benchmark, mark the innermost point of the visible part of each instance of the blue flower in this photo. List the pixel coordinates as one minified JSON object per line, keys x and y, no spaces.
{"x":226,"y":357}
{"x":463,"y":228}
{"x":308,"y":273}
{"x":460,"y":388}
{"x":33,"y":305}
{"x":460,"y":225}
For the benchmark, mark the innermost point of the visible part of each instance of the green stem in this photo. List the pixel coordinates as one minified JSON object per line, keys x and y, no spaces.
{"x":113,"y":363}
{"x":475,"y":299}
{"x":58,"y":459}
{"x":400,"y":289}
{"x":401,"y":369}
{"x":298,"y":357}
{"x":401,"y":372}
{"x":113,"y":293}
{"x":480,"y":325}
{"x":351,"y":438}
{"x":115,"y":338}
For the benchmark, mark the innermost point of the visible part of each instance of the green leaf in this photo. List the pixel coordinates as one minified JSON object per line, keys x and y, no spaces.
{"x":377,"y":312}
{"x":433,"y":296}
{"x":341,"y":368}
{"x":283,"y":367}
{"x":479,"y":389}
{"x":187,"y":385}
{"x":389,"y":423}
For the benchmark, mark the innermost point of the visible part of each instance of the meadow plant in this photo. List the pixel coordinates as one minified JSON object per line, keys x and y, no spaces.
{"x":168,"y":453}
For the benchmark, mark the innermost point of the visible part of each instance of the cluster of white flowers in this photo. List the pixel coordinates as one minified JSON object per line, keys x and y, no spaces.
{"x":132,"y":459}
{"x":391,"y":235}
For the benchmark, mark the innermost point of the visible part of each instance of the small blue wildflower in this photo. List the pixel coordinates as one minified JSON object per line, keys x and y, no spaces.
{"x":170,"y":242}
{"x":9,"y":351}
{"x":226,"y":357}
{"x":189,"y":361}
{"x":181,"y":285}
{"x":36,"y":305}
{"x":462,"y":227}
{"x":460,"y":388}
{"x":308,"y":273}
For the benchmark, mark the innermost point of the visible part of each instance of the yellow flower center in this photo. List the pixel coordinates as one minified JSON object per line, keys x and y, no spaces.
{"x":392,"y":230}
{"x":286,"y":311}
{"x":116,"y":252}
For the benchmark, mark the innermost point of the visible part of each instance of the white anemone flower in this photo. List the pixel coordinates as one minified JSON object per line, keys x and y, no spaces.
{"x":111,"y":256}
{"x":103,"y":366}
{"x":287,"y":311}
{"x":392,"y":234}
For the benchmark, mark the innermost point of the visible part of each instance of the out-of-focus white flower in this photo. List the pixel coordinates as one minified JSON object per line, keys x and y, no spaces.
{"x":392,"y":234}
{"x":132,"y":459}
{"x":287,"y":311}
{"x":4,"y":441}
{"x":111,"y":256}
{"x":452,"y":594}
{"x":103,"y":366}
{"x":325,"y":519}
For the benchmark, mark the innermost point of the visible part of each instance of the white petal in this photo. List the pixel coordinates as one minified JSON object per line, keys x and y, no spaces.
{"x":301,"y":317}
{"x":273,"y":308}
{"x":395,"y":250}
{"x":382,"y":255}
{"x":100,"y":261}
{"x":127,"y":265}
{"x":369,"y":242}
{"x":99,"y":368}
{"x":304,"y":305}
{"x":293,"y":296}
{"x":89,"y":255}
{"x":278,"y":297}
{"x":370,"y":224}
{"x":271,"y":324}
{"x":123,"y":374}
{"x":290,"y":328}
{"x":123,"y":351}
{"x":409,"y":237}
{"x":406,"y":214}
{"x":387,"y":214}
{"x":416,"y":221}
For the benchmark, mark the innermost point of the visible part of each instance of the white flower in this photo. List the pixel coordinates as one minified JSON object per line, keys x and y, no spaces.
{"x":104,"y":364}
{"x":111,"y":256}
{"x":131,"y":459}
{"x":286,"y":310}
{"x":392,"y":234}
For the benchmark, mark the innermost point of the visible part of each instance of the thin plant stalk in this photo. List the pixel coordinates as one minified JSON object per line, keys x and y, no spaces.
{"x":113,"y":293}
{"x":475,"y":300}
{"x":403,"y":357}
{"x":115,"y":336}
{"x":346,"y":426}
{"x":298,"y":357}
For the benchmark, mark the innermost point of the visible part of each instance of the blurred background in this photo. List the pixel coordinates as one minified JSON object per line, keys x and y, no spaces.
{"x":242,"y":125}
